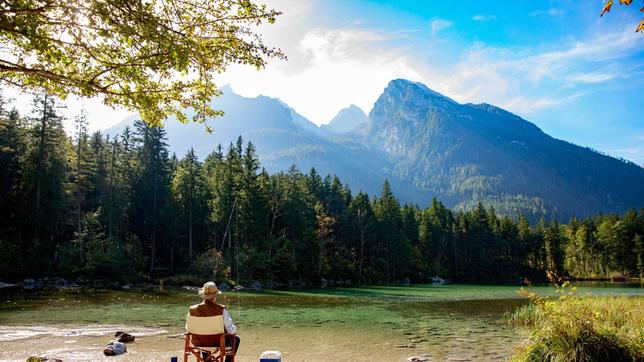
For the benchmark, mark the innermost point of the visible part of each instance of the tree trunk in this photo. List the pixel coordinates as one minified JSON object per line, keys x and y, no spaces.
{"x":361,"y":253}
{"x":41,"y":152}
{"x":172,"y":256}
{"x":78,"y":195}
{"x":111,"y":206}
{"x":274,"y":215}
{"x":388,"y":259}
{"x":154,"y":226}
{"x":190,"y":231}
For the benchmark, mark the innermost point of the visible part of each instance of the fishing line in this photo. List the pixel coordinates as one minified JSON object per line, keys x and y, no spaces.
{"x":237,"y":284}
{"x":223,"y":240}
{"x":237,"y":287}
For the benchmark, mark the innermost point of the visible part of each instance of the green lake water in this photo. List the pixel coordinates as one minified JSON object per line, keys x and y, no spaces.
{"x":458,"y":322}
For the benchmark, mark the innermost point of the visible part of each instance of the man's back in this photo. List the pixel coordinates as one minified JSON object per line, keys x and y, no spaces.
{"x":207,"y":308}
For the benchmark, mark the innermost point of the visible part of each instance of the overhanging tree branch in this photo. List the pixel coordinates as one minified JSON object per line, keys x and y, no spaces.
{"x":157,"y":57}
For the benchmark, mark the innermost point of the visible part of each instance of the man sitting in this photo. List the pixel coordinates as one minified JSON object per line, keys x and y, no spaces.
{"x":209,"y":308}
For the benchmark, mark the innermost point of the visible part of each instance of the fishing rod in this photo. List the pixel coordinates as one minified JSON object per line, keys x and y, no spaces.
{"x":223,"y":240}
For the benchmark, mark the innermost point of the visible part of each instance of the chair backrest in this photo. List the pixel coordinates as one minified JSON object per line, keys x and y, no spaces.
{"x":205,"y":325}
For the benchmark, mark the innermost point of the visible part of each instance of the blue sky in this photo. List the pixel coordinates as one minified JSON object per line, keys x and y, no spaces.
{"x":557,"y":64}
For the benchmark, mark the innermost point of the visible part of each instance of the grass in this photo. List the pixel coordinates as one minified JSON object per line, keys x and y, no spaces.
{"x":582,"y":328}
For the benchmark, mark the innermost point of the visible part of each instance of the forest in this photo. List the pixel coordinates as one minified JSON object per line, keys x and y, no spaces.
{"x":122,"y":208}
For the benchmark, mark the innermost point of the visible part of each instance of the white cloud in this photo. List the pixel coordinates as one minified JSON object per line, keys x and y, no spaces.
{"x":342,"y":66}
{"x":483,"y":17}
{"x":556,"y":12}
{"x":440,"y":24}
{"x":525,"y":105}
{"x":550,"y":12}
{"x":600,"y":48}
{"x":590,"y":78}
{"x":330,"y":67}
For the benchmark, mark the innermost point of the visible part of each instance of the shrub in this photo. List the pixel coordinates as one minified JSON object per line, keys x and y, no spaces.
{"x":582,"y":328}
{"x":102,"y":256}
{"x":208,"y":264}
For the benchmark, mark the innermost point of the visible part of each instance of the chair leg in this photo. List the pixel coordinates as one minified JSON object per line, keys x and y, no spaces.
{"x":233,"y":350}
{"x":186,"y":348}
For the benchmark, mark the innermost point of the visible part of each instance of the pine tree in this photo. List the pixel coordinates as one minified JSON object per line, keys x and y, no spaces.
{"x":12,"y":146}
{"x":152,"y":190}
{"x":364,"y":221}
{"x":81,"y":173}
{"x":397,"y":249}
{"x":44,"y":176}
{"x":189,"y":189}
{"x":554,"y":247}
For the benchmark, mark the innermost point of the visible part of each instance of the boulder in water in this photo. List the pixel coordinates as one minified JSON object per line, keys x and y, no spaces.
{"x":43,"y":359}
{"x":32,"y":284}
{"x":115,"y":348}
{"x":223,"y":287}
{"x":55,"y":283}
{"x":438,"y":280}
{"x":418,"y":359}
{"x":273,"y":284}
{"x":124,"y":337}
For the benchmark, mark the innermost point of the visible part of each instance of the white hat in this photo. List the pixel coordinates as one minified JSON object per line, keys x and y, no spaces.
{"x":209,"y":291}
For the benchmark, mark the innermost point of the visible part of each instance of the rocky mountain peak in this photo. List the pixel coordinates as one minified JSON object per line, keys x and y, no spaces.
{"x":348,"y":119}
{"x":408,"y":90}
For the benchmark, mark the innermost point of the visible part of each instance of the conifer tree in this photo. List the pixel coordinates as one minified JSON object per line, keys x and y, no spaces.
{"x":189,"y":189}
{"x":45,"y":172}
{"x":151,"y":198}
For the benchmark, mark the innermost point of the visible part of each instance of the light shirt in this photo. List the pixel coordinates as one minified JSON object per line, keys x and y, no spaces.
{"x":228,"y":323}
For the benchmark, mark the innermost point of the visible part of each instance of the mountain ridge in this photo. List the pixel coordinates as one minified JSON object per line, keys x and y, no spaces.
{"x":428,"y":145}
{"x":347,"y":120}
{"x":484,"y":153}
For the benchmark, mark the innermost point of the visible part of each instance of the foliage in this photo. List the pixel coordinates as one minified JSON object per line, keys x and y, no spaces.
{"x":104,"y":207}
{"x":609,"y":5}
{"x":208,"y":264}
{"x":157,"y":57}
{"x":100,"y":256}
{"x":581,"y":328}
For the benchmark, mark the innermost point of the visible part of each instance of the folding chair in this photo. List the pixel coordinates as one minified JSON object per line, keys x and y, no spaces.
{"x":208,"y":326}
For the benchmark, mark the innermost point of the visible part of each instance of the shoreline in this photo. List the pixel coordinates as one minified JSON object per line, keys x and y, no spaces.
{"x":55,"y":283}
{"x":344,"y":324}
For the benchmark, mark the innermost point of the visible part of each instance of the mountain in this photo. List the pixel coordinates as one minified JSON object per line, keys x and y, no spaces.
{"x":266,"y":120}
{"x":282,"y":138}
{"x":427,"y":145}
{"x":465,"y":153}
{"x":347,"y":120}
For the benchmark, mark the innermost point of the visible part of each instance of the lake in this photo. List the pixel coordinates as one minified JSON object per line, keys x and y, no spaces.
{"x":386,"y":323}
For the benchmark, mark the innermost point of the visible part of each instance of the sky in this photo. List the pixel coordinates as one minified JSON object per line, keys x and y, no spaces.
{"x":557,"y":64}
